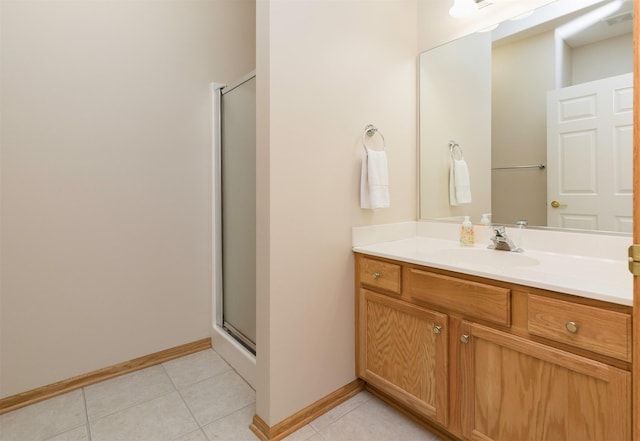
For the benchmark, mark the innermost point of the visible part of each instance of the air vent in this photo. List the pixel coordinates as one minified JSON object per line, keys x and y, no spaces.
{"x":615,"y":19}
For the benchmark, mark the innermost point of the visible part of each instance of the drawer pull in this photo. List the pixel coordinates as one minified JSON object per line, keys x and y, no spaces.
{"x":437,"y":329}
{"x":376,"y":275}
{"x":464,"y":338}
{"x":572,"y":327}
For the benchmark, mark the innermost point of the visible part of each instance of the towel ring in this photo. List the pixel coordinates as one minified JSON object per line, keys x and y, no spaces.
{"x":453,"y":147}
{"x":371,"y":130}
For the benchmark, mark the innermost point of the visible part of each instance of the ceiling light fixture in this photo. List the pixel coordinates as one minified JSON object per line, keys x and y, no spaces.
{"x":463,"y":8}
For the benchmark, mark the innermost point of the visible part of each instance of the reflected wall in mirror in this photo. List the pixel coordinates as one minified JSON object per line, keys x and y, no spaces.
{"x":542,"y":110}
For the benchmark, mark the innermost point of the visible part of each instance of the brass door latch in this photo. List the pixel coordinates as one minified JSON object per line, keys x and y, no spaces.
{"x":634,"y":260}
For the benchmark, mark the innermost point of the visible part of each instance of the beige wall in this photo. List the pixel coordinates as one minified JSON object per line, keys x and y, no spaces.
{"x":455,"y":104}
{"x":602,"y":59}
{"x":332,"y":67}
{"x":523,"y":72}
{"x":106,"y":178}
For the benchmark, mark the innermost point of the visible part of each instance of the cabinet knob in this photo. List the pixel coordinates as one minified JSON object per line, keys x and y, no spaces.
{"x":437,"y":329}
{"x":376,"y":275}
{"x":464,"y":338}
{"x":572,"y":327}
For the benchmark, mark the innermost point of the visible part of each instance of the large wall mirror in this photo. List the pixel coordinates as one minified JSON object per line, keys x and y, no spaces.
{"x":541,"y":108}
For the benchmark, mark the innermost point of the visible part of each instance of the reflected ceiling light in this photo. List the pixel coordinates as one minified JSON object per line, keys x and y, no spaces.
{"x":463,"y":8}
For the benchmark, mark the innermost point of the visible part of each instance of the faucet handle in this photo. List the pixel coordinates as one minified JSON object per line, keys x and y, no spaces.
{"x":498,"y":230}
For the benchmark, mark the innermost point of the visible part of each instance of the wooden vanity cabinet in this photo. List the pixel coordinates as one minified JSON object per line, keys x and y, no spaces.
{"x":401,"y":348}
{"x":483,"y":362}
{"x":403,"y":353}
{"x":523,"y":390}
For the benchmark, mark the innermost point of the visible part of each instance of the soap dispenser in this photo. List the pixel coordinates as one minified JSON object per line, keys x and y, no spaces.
{"x":466,"y":232}
{"x":483,"y":234}
{"x":521,"y":225}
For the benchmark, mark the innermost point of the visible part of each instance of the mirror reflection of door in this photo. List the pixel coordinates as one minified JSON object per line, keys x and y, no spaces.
{"x":561,"y":44}
{"x":589,"y":155}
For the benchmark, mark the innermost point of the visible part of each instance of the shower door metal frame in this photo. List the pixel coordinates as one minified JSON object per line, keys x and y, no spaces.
{"x":219,"y":90}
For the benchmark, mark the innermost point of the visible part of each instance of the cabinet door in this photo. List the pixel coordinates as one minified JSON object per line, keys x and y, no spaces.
{"x":403,"y":352}
{"x":523,"y":390}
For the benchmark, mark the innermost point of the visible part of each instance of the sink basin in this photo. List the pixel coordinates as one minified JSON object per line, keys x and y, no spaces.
{"x":486,"y":257}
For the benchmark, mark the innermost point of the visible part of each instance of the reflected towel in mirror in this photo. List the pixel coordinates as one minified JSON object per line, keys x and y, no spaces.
{"x":459,"y":183}
{"x":374,"y":180}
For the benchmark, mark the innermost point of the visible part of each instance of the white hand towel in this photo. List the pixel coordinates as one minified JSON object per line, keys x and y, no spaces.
{"x":459,"y":183}
{"x":374,"y":180}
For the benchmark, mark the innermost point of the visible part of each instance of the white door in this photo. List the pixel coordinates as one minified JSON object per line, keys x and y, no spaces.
{"x":590,"y":154}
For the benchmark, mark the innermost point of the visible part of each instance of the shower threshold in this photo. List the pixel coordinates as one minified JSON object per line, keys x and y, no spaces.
{"x":239,"y":337}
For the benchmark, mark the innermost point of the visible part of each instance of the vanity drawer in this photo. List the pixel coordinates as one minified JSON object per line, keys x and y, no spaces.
{"x":381,"y":275}
{"x":588,"y":327}
{"x":473,"y":299}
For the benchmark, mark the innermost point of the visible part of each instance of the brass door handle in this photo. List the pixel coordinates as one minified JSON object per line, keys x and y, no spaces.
{"x":556,"y":204}
{"x":376,"y":275}
{"x":464,"y":338}
{"x":437,"y":329}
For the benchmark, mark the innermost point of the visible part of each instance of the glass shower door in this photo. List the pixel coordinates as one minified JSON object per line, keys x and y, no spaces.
{"x":238,"y":210}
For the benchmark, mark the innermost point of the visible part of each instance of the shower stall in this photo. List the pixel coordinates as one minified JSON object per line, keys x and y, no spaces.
{"x":234,"y":222}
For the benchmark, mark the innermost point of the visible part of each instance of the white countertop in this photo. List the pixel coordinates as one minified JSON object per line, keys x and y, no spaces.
{"x":591,"y":277}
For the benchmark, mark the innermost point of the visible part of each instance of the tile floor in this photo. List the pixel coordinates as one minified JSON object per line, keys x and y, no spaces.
{"x":198,"y":397}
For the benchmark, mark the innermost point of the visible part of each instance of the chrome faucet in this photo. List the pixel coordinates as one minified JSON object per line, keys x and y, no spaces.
{"x":500,"y":240}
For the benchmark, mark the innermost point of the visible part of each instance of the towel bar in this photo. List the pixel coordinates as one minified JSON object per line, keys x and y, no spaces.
{"x":452,"y":149}
{"x":371,"y":130}
{"x":539,"y":166}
